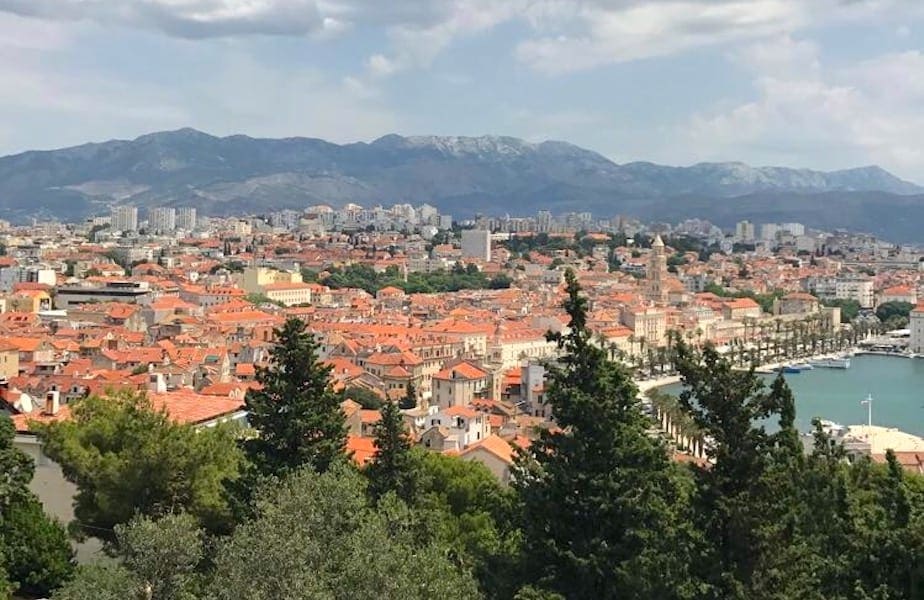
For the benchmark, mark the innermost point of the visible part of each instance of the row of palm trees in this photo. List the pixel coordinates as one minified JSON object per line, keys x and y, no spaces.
{"x":762,"y":341}
{"x":677,"y":424}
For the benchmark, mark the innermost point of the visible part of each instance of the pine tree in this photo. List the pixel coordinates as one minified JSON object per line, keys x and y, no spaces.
{"x":751,"y":505}
{"x":16,"y":468}
{"x":35,"y":554}
{"x":296,"y":413}
{"x":724,"y":403}
{"x":392,"y":468}
{"x":598,"y":493}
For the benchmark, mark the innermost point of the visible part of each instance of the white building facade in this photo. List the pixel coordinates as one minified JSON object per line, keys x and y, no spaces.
{"x":476,"y":243}
{"x":124,"y":218}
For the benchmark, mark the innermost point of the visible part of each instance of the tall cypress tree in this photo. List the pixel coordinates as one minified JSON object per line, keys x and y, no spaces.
{"x":391,"y":469}
{"x":296,"y":413}
{"x":410,"y":396}
{"x":598,"y":493}
{"x":749,"y":505}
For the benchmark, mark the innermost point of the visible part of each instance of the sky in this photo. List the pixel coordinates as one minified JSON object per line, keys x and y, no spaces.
{"x":823,"y":84}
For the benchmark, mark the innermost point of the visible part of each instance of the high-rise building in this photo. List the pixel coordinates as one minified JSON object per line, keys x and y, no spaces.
{"x":124,"y":218}
{"x":543,"y":221}
{"x":186,"y":218}
{"x":162,"y":219}
{"x":744,"y":231}
{"x":428,"y":214}
{"x":795,"y":229}
{"x":476,"y":243}
{"x":769,"y":231}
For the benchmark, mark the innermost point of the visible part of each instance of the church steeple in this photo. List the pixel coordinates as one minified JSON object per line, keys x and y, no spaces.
{"x":657,"y":271}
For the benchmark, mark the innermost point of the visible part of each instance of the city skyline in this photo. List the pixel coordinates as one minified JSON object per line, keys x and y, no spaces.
{"x":825,"y":85}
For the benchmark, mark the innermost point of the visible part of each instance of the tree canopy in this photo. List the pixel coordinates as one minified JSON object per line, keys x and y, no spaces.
{"x":598,"y":492}
{"x":35,"y":554}
{"x":127,"y":458}
{"x":460,"y":278}
{"x":296,"y":412}
{"x":596,"y":509}
{"x":390,"y":469}
{"x":850,"y":309}
{"x":895,"y":314}
{"x":777,"y":523}
{"x":317,"y":536}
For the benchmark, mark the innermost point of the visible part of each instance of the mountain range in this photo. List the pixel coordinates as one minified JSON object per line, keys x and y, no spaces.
{"x":460,"y":175}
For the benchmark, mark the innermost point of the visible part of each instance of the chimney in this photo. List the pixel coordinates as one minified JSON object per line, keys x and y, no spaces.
{"x":157,"y":383}
{"x":52,"y":403}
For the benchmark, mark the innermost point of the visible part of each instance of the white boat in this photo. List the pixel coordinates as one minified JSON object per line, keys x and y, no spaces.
{"x":837,"y":362}
{"x":832,"y":429}
{"x":802,"y":367}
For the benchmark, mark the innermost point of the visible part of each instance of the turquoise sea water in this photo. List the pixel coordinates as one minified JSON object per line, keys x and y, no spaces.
{"x":896,"y":384}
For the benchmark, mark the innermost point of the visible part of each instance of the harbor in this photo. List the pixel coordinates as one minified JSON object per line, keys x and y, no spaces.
{"x":837,"y":394}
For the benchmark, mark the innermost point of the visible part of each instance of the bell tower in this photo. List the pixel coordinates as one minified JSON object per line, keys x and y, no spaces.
{"x":657,"y":272}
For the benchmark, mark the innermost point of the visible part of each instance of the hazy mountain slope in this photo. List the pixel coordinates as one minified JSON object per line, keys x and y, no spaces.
{"x":461,"y":175}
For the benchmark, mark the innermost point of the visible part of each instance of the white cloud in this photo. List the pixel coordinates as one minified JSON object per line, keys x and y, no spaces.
{"x":634,"y":30}
{"x":48,"y":102}
{"x":380,"y":66}
{"x":417,"y":42}
{"x":865,"y":113}
{"x":245,"y":96}
{"x":779,"y":57}
{"x":183,"y":18}
{"x":562,"y":35}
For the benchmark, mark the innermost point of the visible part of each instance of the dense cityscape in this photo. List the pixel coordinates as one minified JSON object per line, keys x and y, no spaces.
{"x":451,"y":323}
{"x":469,"y":299}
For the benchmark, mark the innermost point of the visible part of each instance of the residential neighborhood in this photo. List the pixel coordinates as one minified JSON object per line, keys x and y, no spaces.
{"x":187,"y":314}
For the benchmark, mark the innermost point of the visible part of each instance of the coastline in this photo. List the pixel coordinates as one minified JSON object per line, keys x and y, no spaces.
{"x":770,"y":368}
{"x":873,"y":440}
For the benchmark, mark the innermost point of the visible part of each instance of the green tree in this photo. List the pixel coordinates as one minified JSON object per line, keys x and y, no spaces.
{"x":747,"y":504}
{"x":150,"y":560}
{"x":105,"y":581}
{"x":35,"y":555}
{"x":599,"y":494}
{"x":317,"y":536}
{"x":127,"y":458}
{"x":16,"y":468}
{"x":6,"y":588}
{"x":410,"y":396}
{"x":391,"y":468}
{"x":888,"y":310}
{"x":163,"y":555}
{"x":296,"y":412}
{"x":35,"y":549}
{"x":365,"y":397}
{"x":850,"y":309}
{"x":471,"y":515}
{"x":259,"y":299}
{"x":887,"y":510}
{"x":500,"y":282}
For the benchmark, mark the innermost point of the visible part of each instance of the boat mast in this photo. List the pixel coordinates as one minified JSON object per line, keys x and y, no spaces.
{"x":869,"y":409}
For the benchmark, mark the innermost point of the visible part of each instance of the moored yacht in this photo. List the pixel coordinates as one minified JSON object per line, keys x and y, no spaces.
{"x":836,"y":362}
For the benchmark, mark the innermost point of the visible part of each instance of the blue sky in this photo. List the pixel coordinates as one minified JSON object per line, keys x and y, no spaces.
{"x":807,"y":83}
